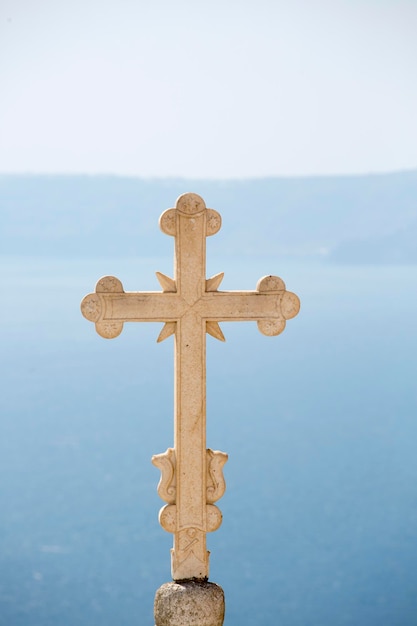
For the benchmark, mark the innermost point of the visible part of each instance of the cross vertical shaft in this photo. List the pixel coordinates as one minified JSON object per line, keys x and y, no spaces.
{"x":189,"y":556}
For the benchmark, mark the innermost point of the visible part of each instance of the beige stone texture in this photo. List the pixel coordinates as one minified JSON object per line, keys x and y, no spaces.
{"x":189,"y":603}
{"x":190,"y":306}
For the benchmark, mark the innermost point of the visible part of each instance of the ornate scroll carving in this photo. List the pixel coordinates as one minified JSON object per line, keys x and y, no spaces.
{"x":216,"y":484}
{"x":166,"y":462}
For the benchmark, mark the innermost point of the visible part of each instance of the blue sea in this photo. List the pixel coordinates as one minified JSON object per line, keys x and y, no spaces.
{"x":320,"y":424}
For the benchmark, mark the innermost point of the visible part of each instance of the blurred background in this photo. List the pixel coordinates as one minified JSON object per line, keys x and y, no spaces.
{"x":296,"y":122}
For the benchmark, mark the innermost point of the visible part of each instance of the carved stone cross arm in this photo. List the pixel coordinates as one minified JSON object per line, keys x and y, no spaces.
{"x":110,"y":306}
{"x":190,"y":306}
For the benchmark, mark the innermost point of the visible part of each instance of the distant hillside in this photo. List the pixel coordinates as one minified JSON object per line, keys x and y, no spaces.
{"x":399,"y":247}
{"x":366,"y":219}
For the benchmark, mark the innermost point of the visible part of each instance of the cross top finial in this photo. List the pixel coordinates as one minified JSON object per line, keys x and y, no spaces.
{"x":190,"y":204}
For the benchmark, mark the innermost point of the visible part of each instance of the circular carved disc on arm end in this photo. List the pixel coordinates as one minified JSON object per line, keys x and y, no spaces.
{"x":214,"y":222}
{"x":109,"y":330}
{"x":168,"y":222}
{"x":91,"y":307}
{"x":290,"y":305}
{"x":271,"y":328}
{"x":109,"y":284}
{"x":270,"y":283}
{"x":214,"y":517}
{"x":168,"y":518}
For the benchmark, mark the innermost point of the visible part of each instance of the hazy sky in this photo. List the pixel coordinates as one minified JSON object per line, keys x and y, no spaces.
{"x":208,"y":89}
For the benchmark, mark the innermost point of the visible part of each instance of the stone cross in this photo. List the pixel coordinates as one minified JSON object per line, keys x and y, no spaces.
{"x":190,"y":306}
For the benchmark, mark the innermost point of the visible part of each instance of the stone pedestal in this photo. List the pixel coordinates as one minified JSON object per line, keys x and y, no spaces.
{"x":189,"y":603}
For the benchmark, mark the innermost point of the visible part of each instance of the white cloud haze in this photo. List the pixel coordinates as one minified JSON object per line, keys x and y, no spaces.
{"x":199,"y":89}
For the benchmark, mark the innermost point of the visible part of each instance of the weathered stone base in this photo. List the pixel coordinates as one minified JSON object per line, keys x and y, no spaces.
{"x":189,"y":603}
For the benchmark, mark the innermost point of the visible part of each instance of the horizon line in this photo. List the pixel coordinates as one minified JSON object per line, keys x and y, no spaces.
{"x":174,"y":178}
